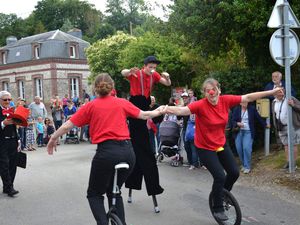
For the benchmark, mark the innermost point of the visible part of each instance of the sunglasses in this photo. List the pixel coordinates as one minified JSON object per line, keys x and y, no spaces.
{"x":6,"y":99}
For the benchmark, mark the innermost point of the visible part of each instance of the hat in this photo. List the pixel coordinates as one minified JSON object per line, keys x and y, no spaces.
{"x":184,"y":94}
{"x":151,"y":59}
{"x":20,"y":116}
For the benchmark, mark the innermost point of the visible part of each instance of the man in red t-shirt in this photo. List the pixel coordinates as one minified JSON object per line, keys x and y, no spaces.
{"x":142,"y":82}
{"x":211,"y":118}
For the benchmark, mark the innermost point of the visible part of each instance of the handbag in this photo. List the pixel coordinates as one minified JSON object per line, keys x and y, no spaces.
{"x":21,"y":160}
{"x":190,"y":131}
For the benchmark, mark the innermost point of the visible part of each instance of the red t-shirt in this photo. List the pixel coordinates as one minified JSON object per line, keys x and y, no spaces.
{"x":106,"y":117}
{"x":136,"y":86}
{"x":211,"y":121}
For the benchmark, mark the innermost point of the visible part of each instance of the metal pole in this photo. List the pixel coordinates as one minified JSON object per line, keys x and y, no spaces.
{"x":287,"y":62}
{"x":267,"y":137}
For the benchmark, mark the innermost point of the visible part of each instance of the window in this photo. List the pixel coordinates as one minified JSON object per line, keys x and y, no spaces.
{"x":5,"y":86}
{"x":72,"y":52}
{"x":3,"y":57}
{"x":21,"y":88}
{"x":37,"y":51}
{"x":74,"y":87}
{"x":38,"y":87}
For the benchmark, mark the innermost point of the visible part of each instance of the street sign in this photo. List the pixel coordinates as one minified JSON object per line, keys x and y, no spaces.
{"x":277,"y":47}
{"x":275,"y":20}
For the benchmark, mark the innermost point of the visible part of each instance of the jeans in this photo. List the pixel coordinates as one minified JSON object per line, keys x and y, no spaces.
{"x":22,"y":134}
{"x":40,"y":140}
{"x":243,"y":143}
{"x":191,"y":153}
{"x":108,"y":154}
{"x":216,"y":163}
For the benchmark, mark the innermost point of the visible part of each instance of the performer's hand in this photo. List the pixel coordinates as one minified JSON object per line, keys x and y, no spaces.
{"x":7,"y":122}
{"x":51,"y":145}
{"x":291,"y":102}
{"x":19,"y":146}
{"x":160,"y":109}
{"x":165,"y":75}
{"x":133,"y":71}
{"x":278,"y":90}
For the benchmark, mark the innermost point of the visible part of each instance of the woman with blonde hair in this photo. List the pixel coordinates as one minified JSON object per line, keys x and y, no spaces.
{"x":106,"y":116}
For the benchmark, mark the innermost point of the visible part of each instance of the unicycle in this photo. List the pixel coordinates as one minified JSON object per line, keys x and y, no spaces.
{"x":113,"y":219}
{"x":231,"y":207}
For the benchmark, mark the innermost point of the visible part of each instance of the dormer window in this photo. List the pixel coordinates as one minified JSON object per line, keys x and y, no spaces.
{"x":3,"y":58}
{"x":72,"y":50}
{"x":37,"y":51}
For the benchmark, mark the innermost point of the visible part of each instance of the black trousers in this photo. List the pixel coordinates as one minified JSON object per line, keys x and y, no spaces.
{"x":216,"y":163}
{"x":108,"y":154}
{"x":8,"y":168}
{"x":145,"y":160}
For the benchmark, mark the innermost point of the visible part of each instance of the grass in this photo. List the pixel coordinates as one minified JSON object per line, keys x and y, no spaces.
{"x":270,"y":167}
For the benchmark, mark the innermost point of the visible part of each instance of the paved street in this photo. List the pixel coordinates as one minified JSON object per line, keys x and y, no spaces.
{"x":53,"y":188}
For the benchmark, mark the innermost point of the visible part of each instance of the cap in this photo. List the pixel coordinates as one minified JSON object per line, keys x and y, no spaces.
{"x":151,"y":59}
{"x":184,"y":94}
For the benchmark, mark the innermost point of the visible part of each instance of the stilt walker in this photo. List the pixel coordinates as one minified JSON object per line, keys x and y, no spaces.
{"x":141,"y":84}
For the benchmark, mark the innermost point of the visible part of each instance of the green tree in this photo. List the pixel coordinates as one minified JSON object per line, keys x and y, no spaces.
{"x":103,"y":56}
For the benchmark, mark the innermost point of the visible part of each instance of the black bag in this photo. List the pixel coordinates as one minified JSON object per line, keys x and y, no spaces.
{"x":279,"y":125}
{"x":21,"y":160}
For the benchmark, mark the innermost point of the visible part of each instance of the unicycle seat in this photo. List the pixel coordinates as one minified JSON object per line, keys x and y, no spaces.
{"x":122,"y":166}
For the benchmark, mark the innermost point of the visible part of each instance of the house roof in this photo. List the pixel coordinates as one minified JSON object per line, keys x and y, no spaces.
{"x":51,"y":35}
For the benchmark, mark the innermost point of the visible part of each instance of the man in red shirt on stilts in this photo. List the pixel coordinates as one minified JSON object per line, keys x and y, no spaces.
{"x":141,"y":84}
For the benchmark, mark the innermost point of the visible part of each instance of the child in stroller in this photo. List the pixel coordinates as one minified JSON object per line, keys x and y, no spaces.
{"x":72,"y":136}
{"x":170,"y":137}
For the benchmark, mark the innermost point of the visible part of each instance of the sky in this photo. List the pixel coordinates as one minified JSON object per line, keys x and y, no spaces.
{"x":24,"y":7}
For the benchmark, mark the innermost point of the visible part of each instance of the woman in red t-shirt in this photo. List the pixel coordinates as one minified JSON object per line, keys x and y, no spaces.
{"x":106,"y":116}
{"x":211,"y":118}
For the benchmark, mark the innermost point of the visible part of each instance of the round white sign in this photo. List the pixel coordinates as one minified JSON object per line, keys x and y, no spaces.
{"x":277,"y":47}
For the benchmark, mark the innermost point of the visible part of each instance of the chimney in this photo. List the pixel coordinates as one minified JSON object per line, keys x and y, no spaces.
{"x":11,"y":40}
{"x":75,"y":32}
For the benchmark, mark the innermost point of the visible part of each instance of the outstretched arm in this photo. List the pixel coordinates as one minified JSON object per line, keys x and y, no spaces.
{"x":144,"y":115}
{"x":61,"y":131}
{"x":129,"y":72}
{"x":261,"y":94}
{"x":177,"y":110}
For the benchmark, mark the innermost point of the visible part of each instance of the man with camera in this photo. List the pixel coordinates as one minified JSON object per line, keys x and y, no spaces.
{"x":280,"y":119}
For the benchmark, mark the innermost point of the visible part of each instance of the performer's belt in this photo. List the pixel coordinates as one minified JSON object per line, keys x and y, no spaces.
{"x":12,"y":137}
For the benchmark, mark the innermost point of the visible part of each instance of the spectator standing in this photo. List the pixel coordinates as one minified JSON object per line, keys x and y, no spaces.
{"x":30,"y":139}
{"x":64,"y":100}
{"x":40,"y":131}
{"x":243,"y":120}
{"x":70,"y":109}
{"x":37,"y":109}
{"x":280,"y":119}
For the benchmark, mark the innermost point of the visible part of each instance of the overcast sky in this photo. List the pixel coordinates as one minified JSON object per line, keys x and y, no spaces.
{"x":24,"y":7}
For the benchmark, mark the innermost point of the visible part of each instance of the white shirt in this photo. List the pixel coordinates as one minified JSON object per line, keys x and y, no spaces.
{"x":245,"y":120}
{"x":284,"y":110}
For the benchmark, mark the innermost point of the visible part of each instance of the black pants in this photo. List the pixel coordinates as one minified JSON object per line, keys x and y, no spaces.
{"x":216,"y":163}
{"x":8,"y":168}
{"x":145,"y":160}
{"x":108,"y":154}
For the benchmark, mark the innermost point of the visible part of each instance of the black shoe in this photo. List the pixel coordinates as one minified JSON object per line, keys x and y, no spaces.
{"x":12,"y":192}
{"x":286,"y":166}
{"x":220,"y":216}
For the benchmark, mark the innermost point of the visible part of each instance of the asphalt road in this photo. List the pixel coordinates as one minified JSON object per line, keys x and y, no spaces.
{"x":53,"y":192}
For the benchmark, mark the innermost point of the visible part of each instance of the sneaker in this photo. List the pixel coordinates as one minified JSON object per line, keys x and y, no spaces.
{"x":220,"y":216}
{"x":246,"y":171}
{"x":242,"y":169}
{"x":192,"y":167}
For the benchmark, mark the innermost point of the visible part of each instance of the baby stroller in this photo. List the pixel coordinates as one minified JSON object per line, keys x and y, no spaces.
{"x":72,"y":136}
{"x":169,"y":146}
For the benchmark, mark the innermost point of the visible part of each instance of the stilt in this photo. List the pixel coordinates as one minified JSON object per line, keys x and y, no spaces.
{"x":156,"y":209}
{"x":129,"y":200}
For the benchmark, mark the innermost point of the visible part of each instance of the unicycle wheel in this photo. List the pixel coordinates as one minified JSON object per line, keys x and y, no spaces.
{"x":113,"y":219}
{"x":231,"y":209}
